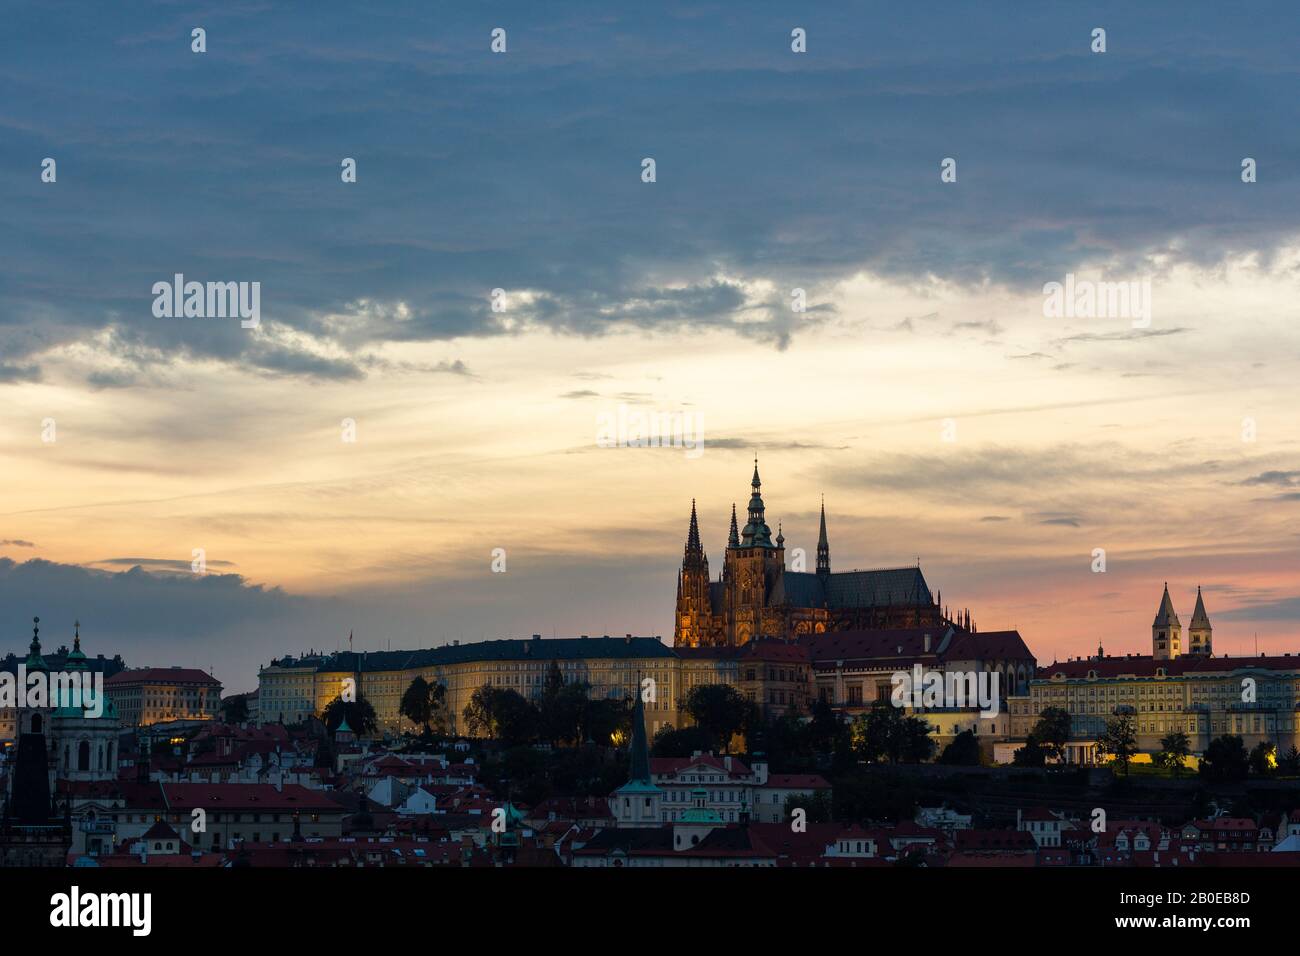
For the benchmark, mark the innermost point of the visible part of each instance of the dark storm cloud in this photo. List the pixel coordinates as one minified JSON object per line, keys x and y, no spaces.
{"x":522,"y":171}
{"x":150,"y":608}
{"x":197,"y":620}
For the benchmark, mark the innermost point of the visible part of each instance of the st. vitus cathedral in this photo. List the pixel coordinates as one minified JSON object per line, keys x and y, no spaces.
{"x":758,"y":596}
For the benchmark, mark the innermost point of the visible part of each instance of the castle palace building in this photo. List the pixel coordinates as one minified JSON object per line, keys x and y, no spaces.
{"x":758,"y":596}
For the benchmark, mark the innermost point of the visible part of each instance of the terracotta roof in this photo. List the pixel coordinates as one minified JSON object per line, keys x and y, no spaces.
{"x":675,"y":765}
{"x":161,"y":830}
{"x":1143,"y":665}
{"x":902,"y":647}
{"x":247,"y":796}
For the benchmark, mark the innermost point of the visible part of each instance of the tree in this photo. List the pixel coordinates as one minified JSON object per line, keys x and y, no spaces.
{"x":503,"y":714}
{"x":359,"y":714}
{"x":1119,"y":741}
{"x":886,"y":733}
{"x":720,"y":710}
{"x":234,"y":710}
{"x":607,"y":720}
{"x":1225,"y":759}
{"x":562,"y":707}
{"x":1052,"y":731}
{"x":1289,"y":763}
{"x":1263,"y":758}
{"x":679,"y":743}
{"x":1031,"y":754}
{"x":417,"y":703}
{"x":963,"y":751}
{"x":824,"y":728}
{"x":817,"y":805}
{"x":1174,"y":750}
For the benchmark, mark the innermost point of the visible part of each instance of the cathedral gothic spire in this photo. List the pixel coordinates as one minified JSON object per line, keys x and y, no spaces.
{"x":694,"y":550}
{"x":693,"y":608}
{"x":823,"y":546}
{"x":733,"y":539}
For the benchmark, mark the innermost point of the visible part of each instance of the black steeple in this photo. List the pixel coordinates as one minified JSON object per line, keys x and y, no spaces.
{"x":823,"y":547}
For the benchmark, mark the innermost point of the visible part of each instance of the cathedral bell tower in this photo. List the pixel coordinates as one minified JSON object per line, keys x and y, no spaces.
{"x":753,"y":565}
{"x":1200,"y":633}
{"x":693,"y":621}
{"x":1166,"y":631}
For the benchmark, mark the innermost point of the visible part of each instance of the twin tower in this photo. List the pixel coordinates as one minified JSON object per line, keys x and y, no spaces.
{"x":1167,"y":632}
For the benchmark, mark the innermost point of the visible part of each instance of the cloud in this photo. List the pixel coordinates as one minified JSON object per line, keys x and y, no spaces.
{"x":1064,"y":520}
{"x":161,"y":564}
{"x":19,"y":373}
{"x":16,"y":543}
{"x":160,"y":614}
{"x":1280,"y":609}
{"x":1286,"y":479}
{"x":447,"y":207}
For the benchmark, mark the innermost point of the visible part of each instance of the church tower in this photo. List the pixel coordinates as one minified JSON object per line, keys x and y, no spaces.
{"x":638,"y":803}
{"x":1166,"y":631}
{"x":1200,"y":632}
{"x":753,"y":567}
{"x":694,"y":612}
{"x":823,"y":549}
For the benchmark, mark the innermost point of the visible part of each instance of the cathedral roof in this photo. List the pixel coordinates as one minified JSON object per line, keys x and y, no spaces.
{"x":899,"y":587}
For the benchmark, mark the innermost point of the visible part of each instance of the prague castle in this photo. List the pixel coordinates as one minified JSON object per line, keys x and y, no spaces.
{"x":758,"y":596}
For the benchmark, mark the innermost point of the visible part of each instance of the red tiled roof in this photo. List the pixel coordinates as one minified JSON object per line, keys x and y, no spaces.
{"x":1143,"y":665}
{"x":675,"y":765}
{"x":888,"y":648}
{"x":247,"y":796}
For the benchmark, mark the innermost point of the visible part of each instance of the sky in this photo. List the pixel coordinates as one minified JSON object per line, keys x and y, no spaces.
{"x":928,"y":390}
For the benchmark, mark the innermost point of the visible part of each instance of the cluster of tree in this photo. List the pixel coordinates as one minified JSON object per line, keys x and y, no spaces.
{"x":885,"y":734}
{"x":1174,"y":751}
{"x":425,"y":705}
{"x":1119,"y":741}
{"x":964,"y":751}
{"x":528,"y":775}
{"x":359,"y":714}
{"x":564,"y":714}
{"x":1226,"y":758}
{"x":1047,"y":739}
